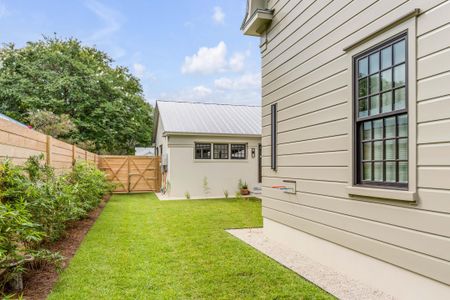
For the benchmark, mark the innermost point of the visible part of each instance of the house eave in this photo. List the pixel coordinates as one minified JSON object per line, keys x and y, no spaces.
{"x":168,"y":133}
{"x":257,"y":23}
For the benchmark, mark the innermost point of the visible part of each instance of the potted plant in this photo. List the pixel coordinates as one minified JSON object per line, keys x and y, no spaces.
{"x":243,"y":187}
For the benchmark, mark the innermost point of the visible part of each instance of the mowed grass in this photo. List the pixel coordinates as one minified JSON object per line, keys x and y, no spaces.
{"x":143,"y":248}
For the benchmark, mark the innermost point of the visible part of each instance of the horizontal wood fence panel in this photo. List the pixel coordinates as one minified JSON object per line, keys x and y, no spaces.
{"x":132,"y":173}
{"x":18,"y":143}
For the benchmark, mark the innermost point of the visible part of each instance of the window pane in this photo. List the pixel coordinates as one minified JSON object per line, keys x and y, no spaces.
{"x":202,"y":151}
{"x":378,"y":129}
{"x":220,"y":151}
{"x":399,"y":52}
{"x":386,"y":102}
{"x":390,"y":171}
{"x":403,"y":125}
{"x":386,"y":80}
{"x":367,"y":131}
{"x":378,"y":171}
{"x":362,"y":87}
{"x":363,"y":67}
{"x":400,"y":99}
{"x":238,"y":151}
{"x":374,"y":84}
{"x":399,"y":75}
{"x":403,"y":149}
{"x":386,"y":57}
{"x":378,"y":150}
{"x":389,"y":149}
{"x":403,"y":172}
{"x":374,"y":105}
{"x":363,"y":107}
{"x":374,"y":63}
{"x":389,"y":124}
{"x":367,"y":151}
{"x":367,"y":171}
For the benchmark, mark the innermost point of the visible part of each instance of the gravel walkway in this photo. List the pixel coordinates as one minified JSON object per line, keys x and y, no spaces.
{"x":328,"y":279}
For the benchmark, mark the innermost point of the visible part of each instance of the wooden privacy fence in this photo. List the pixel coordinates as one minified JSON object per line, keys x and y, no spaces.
{"x":132,"y":173}
{"x":18,"y":143}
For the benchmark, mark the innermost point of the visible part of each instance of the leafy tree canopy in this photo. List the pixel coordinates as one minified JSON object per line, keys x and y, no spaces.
{"x":80,"y":86}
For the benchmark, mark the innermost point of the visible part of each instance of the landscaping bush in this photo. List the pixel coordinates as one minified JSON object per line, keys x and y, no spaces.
{"x":36,"y":205}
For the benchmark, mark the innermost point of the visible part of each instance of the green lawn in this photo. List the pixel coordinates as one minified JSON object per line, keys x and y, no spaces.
{"x":142,"y":248}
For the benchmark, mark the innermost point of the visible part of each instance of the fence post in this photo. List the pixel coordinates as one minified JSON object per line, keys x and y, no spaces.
{"x":74,"y":152}
{"x":49,"y":150}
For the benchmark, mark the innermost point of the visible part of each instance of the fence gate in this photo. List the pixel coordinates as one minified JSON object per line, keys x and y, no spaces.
{"x":132,"y":173}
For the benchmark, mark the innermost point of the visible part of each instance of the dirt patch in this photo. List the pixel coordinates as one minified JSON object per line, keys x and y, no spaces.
{"x":39,"y":283}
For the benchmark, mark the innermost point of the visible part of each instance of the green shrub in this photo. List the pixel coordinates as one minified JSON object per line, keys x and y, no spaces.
{"x":35,"y":206}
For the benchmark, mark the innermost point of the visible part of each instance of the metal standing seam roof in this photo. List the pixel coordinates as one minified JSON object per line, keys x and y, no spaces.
{"x":209,"y":118}
{"x":5,"y":117}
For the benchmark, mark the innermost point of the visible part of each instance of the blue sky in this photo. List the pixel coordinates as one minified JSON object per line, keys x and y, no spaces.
{"x":193,"y":50}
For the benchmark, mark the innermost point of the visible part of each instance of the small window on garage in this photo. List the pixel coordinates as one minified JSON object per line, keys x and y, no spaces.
{"x":202,"y":151}
{"x":238,"y":151}
{"x":220,"y":151}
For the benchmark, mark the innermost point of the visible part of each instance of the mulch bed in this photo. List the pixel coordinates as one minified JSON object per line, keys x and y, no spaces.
{"x":39,"y":283}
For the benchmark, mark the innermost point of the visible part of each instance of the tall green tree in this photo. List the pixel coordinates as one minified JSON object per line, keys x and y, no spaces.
{"x":64,"y":77}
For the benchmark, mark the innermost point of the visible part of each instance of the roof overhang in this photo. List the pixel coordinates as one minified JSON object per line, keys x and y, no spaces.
{"x":167,"y":133}
{"x":155,"y":122}
{"x":257,"y":23}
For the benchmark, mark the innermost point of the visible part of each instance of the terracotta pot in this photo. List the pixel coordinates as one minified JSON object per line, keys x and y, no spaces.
{"x":245,"y":192}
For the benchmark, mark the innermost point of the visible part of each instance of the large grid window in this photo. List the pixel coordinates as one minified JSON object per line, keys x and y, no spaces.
{"x":202,"y":151}
{"x":381,"y":97}
{"x":238,"y":151}
{"x":220,"y":151}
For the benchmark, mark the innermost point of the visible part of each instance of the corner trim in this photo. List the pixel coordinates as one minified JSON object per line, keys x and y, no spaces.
{"x":402,"y":19}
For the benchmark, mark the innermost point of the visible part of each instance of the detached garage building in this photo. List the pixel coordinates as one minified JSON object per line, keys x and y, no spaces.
{"x":206,"y":148}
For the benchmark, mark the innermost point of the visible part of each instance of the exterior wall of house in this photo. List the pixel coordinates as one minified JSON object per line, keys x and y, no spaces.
{"x":186,"y":174}
{"x":160,"y":140}
{"x":307,"y":72}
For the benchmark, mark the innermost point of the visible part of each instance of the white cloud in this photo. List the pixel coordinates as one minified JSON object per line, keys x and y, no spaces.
{"x":3,"y":10}
{"x":218,"y":15}
{"x":201,"y":91}
{"x":140,"y":71}
{"x":112,"y":23}
{"x":214,"y":60}
{"x":237,"y":61}
{"x":244,"y":82}
{"x":206,"y":60}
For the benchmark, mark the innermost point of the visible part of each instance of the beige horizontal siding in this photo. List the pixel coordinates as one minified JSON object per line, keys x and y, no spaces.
{"x":434,"y":132}
{"x":325,"y":130}
{"x":305,"y":71}
{"x":433,"y":64}
{"x":335,"y":143}
{"x":423,"y":264}
{"x":432,"y":110}
{"x":433,"y":41}
{"x":430,"y":199}
{"x":425,"y":243}
{"x":434,"y":155}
